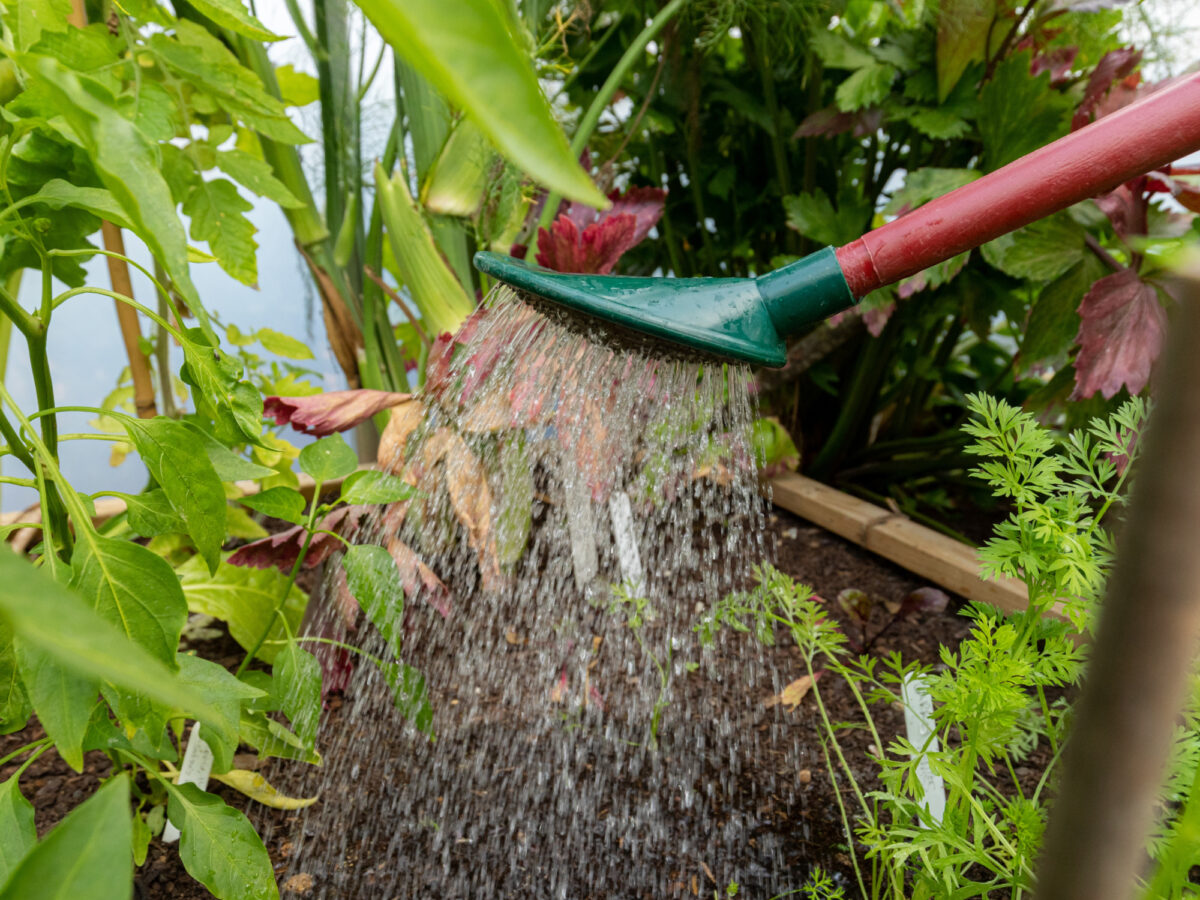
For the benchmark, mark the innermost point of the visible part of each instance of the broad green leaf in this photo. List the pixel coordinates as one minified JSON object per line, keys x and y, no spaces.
{"x":472,"y":58}
{"x":228,"y":465}
{"x":47,"y":617}
{"x":328,"y":458}
{"x":813,"y":216}
{"x":86,"y":856}
{"x":219,"y":847}
{"x":836,"y":52}
{"x":28,"y":19}
{"x":151,"y":513}
{"x":410,"y":695}
{"x":17,"y":832}
{"x":128,"y":164}
{"x":374,"y":581}
{"x":227,"y":695}
{"x":57,"y":193}
{"x":256,"y":175}
{"x":217,"y":212}
{"x":235,"y":405}
{"x":443,"y":301}
{"x":132,"y":588}
{"x":245,"y":600}
{"x":939,"y":124}
{"x":297,"y":88}
{"x":261,"y":791}
{"x":282,"y":344}
{"x":142,"y":723}
{"x":14,"y":702}
{"x":271,"y":739}
{"x":865,"y":87}
{"x":232,"y":14}
{"x":460,"y":175}
{"x":369,"y":486}
{"x":297,"y":676}
{"x":63,"y":699}
{"x":1039,"y":252}
{"x":963,"y":27}
{"x":1054,"y":321}
{"x":238,"y":524}
{"x":1019,"y":112}
{"x":279,"y":502}
{"x":923,"y":185}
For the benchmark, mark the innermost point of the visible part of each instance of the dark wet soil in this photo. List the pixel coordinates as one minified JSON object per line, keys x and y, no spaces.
{"x":785,"y":796}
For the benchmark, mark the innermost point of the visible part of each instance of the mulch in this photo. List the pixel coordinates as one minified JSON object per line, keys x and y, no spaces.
{"x":800,"y":823}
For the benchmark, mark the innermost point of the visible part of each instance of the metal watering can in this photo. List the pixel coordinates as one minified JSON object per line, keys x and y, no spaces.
{"x":749,"y":319}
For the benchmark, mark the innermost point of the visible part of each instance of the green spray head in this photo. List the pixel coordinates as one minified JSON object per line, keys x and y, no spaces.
{"x":740,"y":319}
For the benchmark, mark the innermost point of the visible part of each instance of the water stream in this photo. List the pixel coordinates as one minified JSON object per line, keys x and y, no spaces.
{"x":585,"y":746}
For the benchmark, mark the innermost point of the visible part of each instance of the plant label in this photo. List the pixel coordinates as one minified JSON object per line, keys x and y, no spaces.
{"x":581,"y":526}
{"x":197,"y":765}
{"x":625,"y":536}
{"x":921,"y":733}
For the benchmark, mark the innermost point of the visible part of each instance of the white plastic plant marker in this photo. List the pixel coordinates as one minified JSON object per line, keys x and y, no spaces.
{"x":197,"y":766}
{"x":625,"y":535}
{"x":922,"y":734}
{"x":581,"y":526}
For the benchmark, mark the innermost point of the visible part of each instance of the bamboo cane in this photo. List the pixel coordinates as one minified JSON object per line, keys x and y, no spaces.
{"x":131,"y":332}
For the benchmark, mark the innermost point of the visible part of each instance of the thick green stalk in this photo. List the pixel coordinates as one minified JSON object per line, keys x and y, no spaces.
{"x":591,"y":118}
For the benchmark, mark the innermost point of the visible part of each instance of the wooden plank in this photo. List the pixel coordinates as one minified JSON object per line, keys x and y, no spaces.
{"x":920,"y":550}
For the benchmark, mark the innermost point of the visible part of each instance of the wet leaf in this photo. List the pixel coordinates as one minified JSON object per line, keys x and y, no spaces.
{"x":219,"y":847}
{"x":410,"y":695}
{"x":368,"y":487}
{"x":262,"y":791}
{"x":375,"y":582}
{"x":331,"y":411}
{"x":418,"y":579}
{"x":297,"y":677}
{"x":404,"y":420}
{"x":1121,"y":330}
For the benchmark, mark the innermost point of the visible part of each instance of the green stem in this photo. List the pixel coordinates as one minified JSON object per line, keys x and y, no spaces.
{"x":591,"y":118}
{"x":120,"y":298}
{"x":22,"y":750}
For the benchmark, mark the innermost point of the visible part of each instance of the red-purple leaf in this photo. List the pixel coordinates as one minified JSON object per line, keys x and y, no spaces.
{"x":831,"y":121}
{"x":282,"y":550}
{"x":1113,"y":66}
{"x":583,"y":239}
{"x":856,"y":604}
{"x":925,"y":599}
{"x":418,"y":579}
{"x":1126,"y":207}
{"x":323,"y":414}
{"x":1057,"y":62}
{"x":1120,"y":335}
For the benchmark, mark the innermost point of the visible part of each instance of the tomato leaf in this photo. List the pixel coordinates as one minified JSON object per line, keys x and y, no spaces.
{"x":232,"y":14}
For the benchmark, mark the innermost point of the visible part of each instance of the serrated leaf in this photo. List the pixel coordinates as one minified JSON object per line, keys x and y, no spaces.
{"x":925,"y":184}
{"x":368,"y":487}
{"x":939,"y":124}
{"x":328,"y":458}
{"x":813,"y":215}
{"x":57,"y":193}
{"x":472,"y":58}
{"x":279,"y":502}
{"x":188,"y":480}
{"x":1038,"y":252}
{"x":865,"y":87}
{"x":1019,"y":112}
{"x":256,"y":175}
{"x":245,"y":600}
{"x":86,"y":856}
{"x":17,"y":832}
{"x":151,"y":513}
{"x":1054,"y":320}
{"x":297,"y":88}
{"x":219,"y":847}
{"x":132,"y":588}
{"x":232,"y":14}
{"x":297,"y":676}
{"x":962,"y":30}
{"x":282,"y":344}
{"x":1121,"y":331}
{"x":374,"y":581}
{"x":836,"y":52}
{"x":262,"y":791}
{"x":216,"y":210}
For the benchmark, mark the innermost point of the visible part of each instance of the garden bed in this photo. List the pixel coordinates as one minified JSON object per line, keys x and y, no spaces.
{"x":796,"y":824}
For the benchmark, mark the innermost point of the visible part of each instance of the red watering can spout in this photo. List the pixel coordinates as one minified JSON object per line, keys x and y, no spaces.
{"x":1139,"y":138}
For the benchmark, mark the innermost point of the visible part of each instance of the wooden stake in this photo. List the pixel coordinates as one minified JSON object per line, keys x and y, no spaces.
{"x":131,"y":332}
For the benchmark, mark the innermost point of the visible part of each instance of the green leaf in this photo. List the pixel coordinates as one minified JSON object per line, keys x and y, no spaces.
{"x":132,"y":588}
{"x":47,"y":617}
{"x":279,"y":502}
{"x":369,"y":486}
{"x":245,"y":600}
{"x":127,"y":163}
{"x":28,"y":19}
{"x":17,"y":832}
{"x":297,"y":88}
{"x":256,"y":175}
{"x":238,"y":524}
{"x":836,"y":52}
{"x":374,"y":581}
{"x":86,"y":856}
{"x":459,"y":178}
{"x":939,"y":124}
{"x":234,"y":404}
{"x":271,"y":739}
{"x":929,"y":183}
{"x":228,"y":465}
{"x":1039,"y":252}
{"x":963,"y":27}
{"x":216,"y":210}
{"x":410,"y":695}
{"x":63,"y":699}
{"x":472,"y":58}
{"x":227,"y":694}
{"x":219,"y":847}
{"x":232,"y":14}
{"x":328,"y":458}
{"x":282,"y":345}
{"x":865,"y":87}
{"x":14,"y":702}
{"x":298,"y":687}
{"x":57,"y":193}
{"x":813,"y":216}
{"x":187,"y":478}
{"x":151,"y":513}
{"x":1019,"y":112}
{"x":1054,"y":321}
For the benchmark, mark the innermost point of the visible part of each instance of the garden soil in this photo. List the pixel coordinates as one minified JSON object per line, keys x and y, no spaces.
{"x":803,"y":822}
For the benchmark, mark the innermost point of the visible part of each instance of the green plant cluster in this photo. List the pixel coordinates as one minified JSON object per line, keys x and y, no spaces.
{"x":1002,"y":694}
